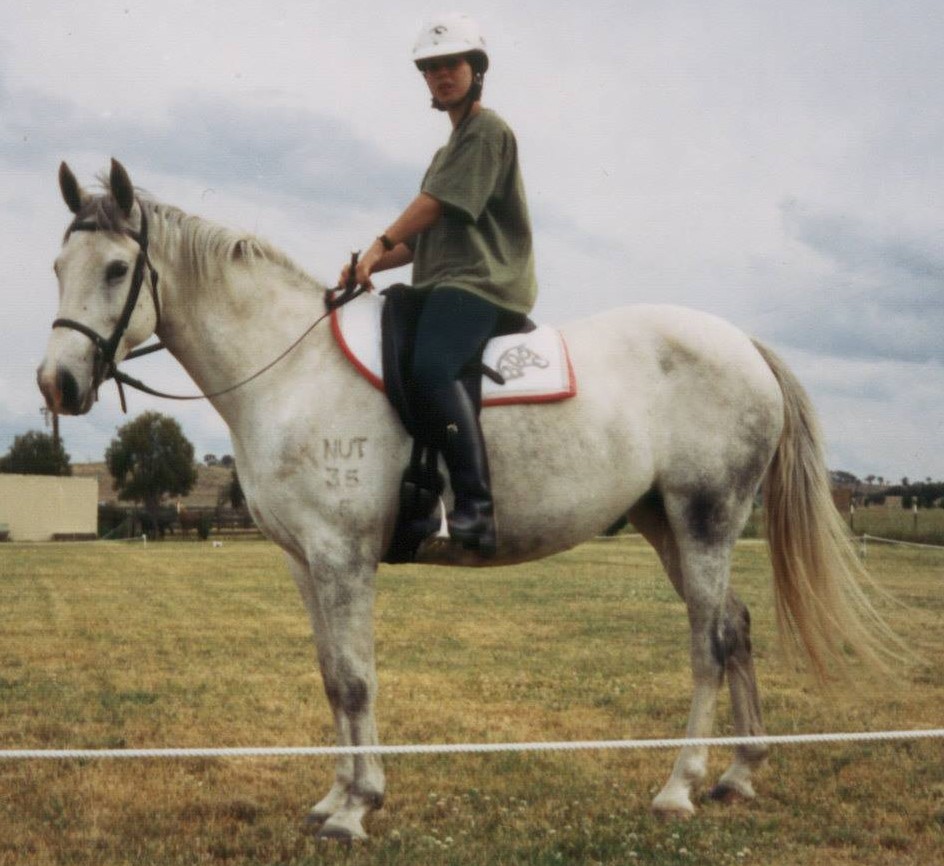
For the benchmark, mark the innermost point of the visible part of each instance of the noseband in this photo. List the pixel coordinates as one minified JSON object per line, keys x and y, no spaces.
{"x":106,"y":349}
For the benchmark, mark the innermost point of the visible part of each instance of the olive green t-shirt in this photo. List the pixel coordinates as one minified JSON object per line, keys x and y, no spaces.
{"x":482,"y":241}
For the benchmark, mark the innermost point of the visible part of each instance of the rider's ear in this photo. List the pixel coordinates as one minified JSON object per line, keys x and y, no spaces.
{"x":73,"y":194}
{"x":121,"y":187}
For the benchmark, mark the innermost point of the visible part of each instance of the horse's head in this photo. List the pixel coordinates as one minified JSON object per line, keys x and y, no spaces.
{"x":103,"y":313}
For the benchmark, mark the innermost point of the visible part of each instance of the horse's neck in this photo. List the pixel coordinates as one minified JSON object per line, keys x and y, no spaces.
{"x":225,"y":322}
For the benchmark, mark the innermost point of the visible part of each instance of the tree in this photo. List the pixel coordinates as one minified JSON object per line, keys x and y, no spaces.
{"x":927,"y":494}
{"x":150,"y":459}
{"x":210,"y":460}
{"x":36,"y":453}
{"x":842,"y":478}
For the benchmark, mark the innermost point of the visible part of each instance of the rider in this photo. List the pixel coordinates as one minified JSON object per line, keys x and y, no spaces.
{"x":468,"y":236}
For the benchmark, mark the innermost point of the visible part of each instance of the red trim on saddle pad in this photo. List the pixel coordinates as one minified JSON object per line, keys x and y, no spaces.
{"x":552,"y":395}
{"x":365,"y":371}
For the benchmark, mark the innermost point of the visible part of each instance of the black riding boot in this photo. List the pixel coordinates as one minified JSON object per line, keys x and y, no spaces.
{"x":457,"y":434}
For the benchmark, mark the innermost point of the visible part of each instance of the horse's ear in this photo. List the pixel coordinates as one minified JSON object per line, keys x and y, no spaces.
{"x":121,"y":187}
{"x":73,"y":194}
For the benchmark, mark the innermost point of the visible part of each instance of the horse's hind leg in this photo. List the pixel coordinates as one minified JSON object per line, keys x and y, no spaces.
{"x":704,"y":528}
{"x":685,"y":568}
{"x":745,"y":702}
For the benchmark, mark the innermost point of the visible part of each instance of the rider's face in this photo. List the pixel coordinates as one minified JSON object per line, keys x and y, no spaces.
{"x":448,"y":78}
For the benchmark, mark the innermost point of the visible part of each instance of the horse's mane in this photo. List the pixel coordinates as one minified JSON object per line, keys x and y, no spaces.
{"x":206,"y":248}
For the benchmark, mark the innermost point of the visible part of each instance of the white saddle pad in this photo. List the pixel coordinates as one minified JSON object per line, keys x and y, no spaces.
{"x":536,"y":366}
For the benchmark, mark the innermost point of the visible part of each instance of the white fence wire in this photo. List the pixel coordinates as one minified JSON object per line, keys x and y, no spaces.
{"x":895,"y":541}
{"x":465,"y":748}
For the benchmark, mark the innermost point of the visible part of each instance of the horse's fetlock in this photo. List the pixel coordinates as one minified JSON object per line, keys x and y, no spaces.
{"x":370,"y":796}
{"x":752,"y":755}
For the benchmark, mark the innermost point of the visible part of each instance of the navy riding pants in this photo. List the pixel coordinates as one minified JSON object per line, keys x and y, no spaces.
{"x":453,"y":327}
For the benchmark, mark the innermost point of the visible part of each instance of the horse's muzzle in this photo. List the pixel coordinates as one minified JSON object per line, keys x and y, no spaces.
{"x":61,"y":390}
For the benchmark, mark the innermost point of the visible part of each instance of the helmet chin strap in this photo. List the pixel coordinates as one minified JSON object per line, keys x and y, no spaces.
{"x":473,"y":95}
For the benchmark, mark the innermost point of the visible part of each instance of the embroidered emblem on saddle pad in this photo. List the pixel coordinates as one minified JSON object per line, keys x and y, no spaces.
{"x":535,"y":365}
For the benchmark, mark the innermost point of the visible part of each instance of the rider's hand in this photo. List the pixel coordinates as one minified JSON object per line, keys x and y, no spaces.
{"x":365,"y":267}
{"x":367,"y":262}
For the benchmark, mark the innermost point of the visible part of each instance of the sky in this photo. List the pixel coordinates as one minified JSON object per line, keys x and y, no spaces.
{"x":777,"y":164}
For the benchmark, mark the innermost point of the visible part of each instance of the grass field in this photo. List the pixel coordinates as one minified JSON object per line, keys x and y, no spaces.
{"x":181,"y":644}
{"x":927,"y":525}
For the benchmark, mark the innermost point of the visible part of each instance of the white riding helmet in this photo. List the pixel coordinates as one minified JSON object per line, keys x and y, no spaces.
{"x":450,"y":34}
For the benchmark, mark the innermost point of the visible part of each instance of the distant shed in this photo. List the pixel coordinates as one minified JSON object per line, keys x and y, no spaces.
{"x":843,"y":498}
{"x":48,"y":507}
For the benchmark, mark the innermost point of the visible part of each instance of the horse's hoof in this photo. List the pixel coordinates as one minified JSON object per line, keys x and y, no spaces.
{"x":673,"y":806}
{"x":724,"y":794}
{"x":674,"y":814}
{"x":334,"y":801}
{"x":341,"y":830}
{"x":314,"y":819}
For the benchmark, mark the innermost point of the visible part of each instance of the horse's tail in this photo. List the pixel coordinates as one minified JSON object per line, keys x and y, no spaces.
{"x":821,"y":607}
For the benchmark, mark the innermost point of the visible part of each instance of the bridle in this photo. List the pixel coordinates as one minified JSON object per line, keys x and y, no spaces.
{"x":105,"y":366}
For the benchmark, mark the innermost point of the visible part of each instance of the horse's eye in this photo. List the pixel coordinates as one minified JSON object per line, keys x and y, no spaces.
{"x":115,"y":271}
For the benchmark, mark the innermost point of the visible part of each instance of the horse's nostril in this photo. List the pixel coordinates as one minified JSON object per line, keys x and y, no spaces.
{"x":45,"y":388}
{"x":68,"y":390}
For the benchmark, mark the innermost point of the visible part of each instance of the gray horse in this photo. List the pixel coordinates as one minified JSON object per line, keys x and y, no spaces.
{"x":679,"y":418}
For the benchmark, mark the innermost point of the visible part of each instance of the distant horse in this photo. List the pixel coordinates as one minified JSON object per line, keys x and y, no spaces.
{"x":678,"y":419}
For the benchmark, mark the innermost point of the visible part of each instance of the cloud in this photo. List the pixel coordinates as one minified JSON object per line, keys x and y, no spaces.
{"x":292,"y":153}
{"x":878,"y":294}
{"x":879,"y":416}
{"x":777,"y":165}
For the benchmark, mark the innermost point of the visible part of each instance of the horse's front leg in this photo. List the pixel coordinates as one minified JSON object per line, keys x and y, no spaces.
{"x":340,"y":604}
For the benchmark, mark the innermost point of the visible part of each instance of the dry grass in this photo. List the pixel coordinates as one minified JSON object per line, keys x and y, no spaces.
{"x":185,"y":645}
{"x":927,"y":525}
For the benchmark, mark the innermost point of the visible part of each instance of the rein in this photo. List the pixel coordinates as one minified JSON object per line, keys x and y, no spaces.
{"x":124,"y":379}
{"x":105,"y":349}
